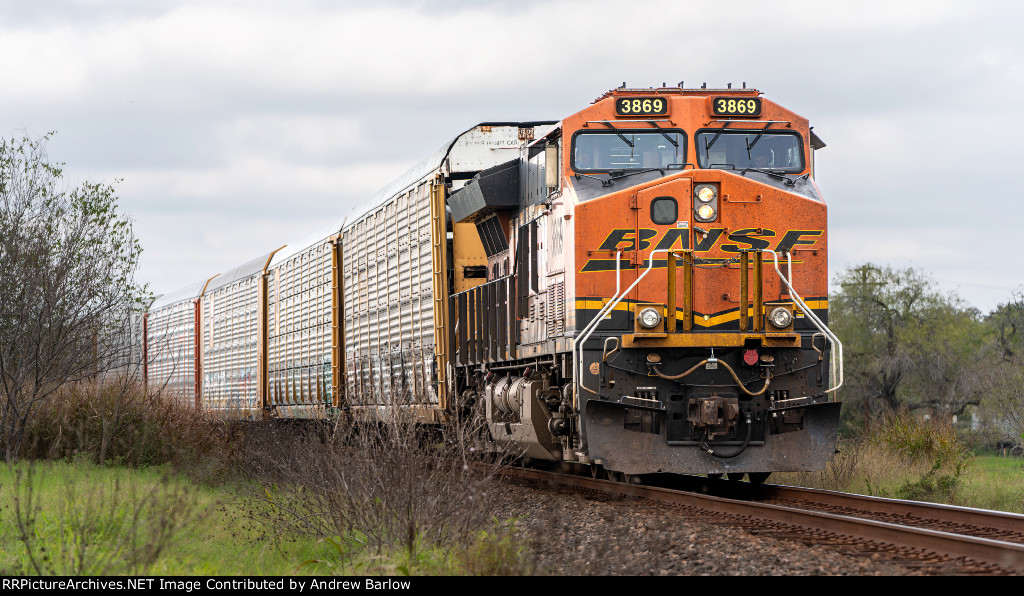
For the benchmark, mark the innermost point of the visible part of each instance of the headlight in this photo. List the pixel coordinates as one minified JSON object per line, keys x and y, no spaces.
{"x":781,"y":317}
{"x":706,"y":212}
{"x":649,"y":318}
{"x":705,"y":193}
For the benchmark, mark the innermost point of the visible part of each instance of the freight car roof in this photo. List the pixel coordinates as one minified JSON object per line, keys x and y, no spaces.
{"x":241,"y":272}
{"x":189,"y":292}
{"x":307,"y":241}
{"x":426,"y":166}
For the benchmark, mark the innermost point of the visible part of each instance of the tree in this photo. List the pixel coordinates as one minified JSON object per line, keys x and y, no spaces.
{"x":1005,"y":402}
{"x":67,"y":283}
{"x":906,"y":344}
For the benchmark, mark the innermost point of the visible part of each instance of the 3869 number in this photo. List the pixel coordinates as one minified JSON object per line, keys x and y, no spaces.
{"x":641,"y":106}
{"x":731,"y":106}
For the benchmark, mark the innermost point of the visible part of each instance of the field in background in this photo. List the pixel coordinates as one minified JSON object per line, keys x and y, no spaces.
{"x":907,"y":458}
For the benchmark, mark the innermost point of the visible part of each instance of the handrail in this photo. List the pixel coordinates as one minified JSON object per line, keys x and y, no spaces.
{"x":589,"y":329}
{"x":593,"y":325}
{"x":838,"y":345}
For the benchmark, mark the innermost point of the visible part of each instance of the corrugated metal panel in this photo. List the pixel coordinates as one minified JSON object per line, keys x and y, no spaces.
{"x":307,"y":242}
{"x":171,"y":341}
{"x":229,"y":343}
{"x":389,"y":325}
{"x":482,"y":146}
{"x":190,"y":291}
{"x":243,"y":271}
{"x":388,"y":275}
{"x":299,"y":330}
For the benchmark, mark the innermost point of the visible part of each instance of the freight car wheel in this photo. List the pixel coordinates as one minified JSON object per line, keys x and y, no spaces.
{"x":758,"y":477}
{"x":596,"y":472}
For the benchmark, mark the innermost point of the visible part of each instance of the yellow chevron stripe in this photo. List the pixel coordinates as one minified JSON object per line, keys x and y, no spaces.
{"x":699,"y":320}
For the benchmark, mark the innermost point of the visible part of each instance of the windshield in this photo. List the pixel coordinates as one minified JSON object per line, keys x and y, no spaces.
{"x":606,"y":150}
{"x":750,"y":149}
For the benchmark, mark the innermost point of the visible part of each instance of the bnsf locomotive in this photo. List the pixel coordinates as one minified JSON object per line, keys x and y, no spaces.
{"x":640,"y":288}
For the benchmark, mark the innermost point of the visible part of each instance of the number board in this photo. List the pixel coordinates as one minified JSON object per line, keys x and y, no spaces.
{"x":733,"y":106}
{"x":641,"y":106}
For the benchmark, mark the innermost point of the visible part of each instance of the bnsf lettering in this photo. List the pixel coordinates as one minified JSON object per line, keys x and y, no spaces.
{"x":679,"y":238}
{"x":708,"y":240}
{"x":617,"y":237}
{"x":748,"y":240}
{"x":793,"y":238}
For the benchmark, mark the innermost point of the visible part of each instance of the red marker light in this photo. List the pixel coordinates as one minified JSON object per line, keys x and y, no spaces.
{"x":750,"y":357}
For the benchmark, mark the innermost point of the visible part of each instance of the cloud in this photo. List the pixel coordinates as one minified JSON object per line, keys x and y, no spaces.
{"x":234,"y":120}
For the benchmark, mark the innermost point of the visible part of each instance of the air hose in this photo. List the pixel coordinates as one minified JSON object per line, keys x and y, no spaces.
{"x":743,"y":447}
{"x":739,"y":383}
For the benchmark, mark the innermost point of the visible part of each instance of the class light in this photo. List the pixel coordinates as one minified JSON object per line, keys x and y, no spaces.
{"x":649,"y":318}
{"x":706,"y":212}
{"x":705,"y":193}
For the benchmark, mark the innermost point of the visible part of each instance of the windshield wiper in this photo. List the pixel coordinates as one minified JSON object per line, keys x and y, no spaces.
{"x":621,"y":136}
{"x":630,"y":173}
{"x":751,"y":144}
{"x":604,"y":183}
{"x":707,"y":145}
{"x":772,"y":173}
{"x":663,"y":133}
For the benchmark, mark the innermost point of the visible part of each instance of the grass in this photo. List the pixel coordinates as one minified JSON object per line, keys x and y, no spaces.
{"x":86,"y":519}
{"x":115,"y":480}
{"x":994,"y":482}
{"x":905,"y":458}
{"x":180,"y":495}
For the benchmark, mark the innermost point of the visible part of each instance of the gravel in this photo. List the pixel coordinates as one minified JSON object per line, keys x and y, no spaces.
{"x":574,"y":532}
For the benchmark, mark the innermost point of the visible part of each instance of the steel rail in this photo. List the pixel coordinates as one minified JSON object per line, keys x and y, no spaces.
{"x":1006,"y":555}
{"x":918,"y":510}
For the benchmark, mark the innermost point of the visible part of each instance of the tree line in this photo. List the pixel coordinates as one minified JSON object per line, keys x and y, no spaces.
{"x":908,"y":345}
{"x":69,"y":300}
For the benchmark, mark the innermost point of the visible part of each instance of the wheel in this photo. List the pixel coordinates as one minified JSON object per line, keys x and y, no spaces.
{"x":596,"y":471}
{"x":758,"y":477}
{"x":735,"y":476}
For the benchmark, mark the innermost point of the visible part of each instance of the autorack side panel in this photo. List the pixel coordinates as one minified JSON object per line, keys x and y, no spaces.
{"x":388,"y":273}
{"x":171,"y":344}
{"x":299,"y":303}
{"x":229,"y":342}
{"x":388,"y":303}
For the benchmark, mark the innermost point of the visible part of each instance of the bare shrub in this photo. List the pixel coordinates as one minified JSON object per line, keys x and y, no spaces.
{"x":838,"y":475}
{"x":118,"y":420}
{"x":377,"y":488}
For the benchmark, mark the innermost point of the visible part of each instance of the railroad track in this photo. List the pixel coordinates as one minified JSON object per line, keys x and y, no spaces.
{"x":937,"y":539}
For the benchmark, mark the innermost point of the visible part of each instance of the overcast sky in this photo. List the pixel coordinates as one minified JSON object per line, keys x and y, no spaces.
{"x":239,"y":126}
